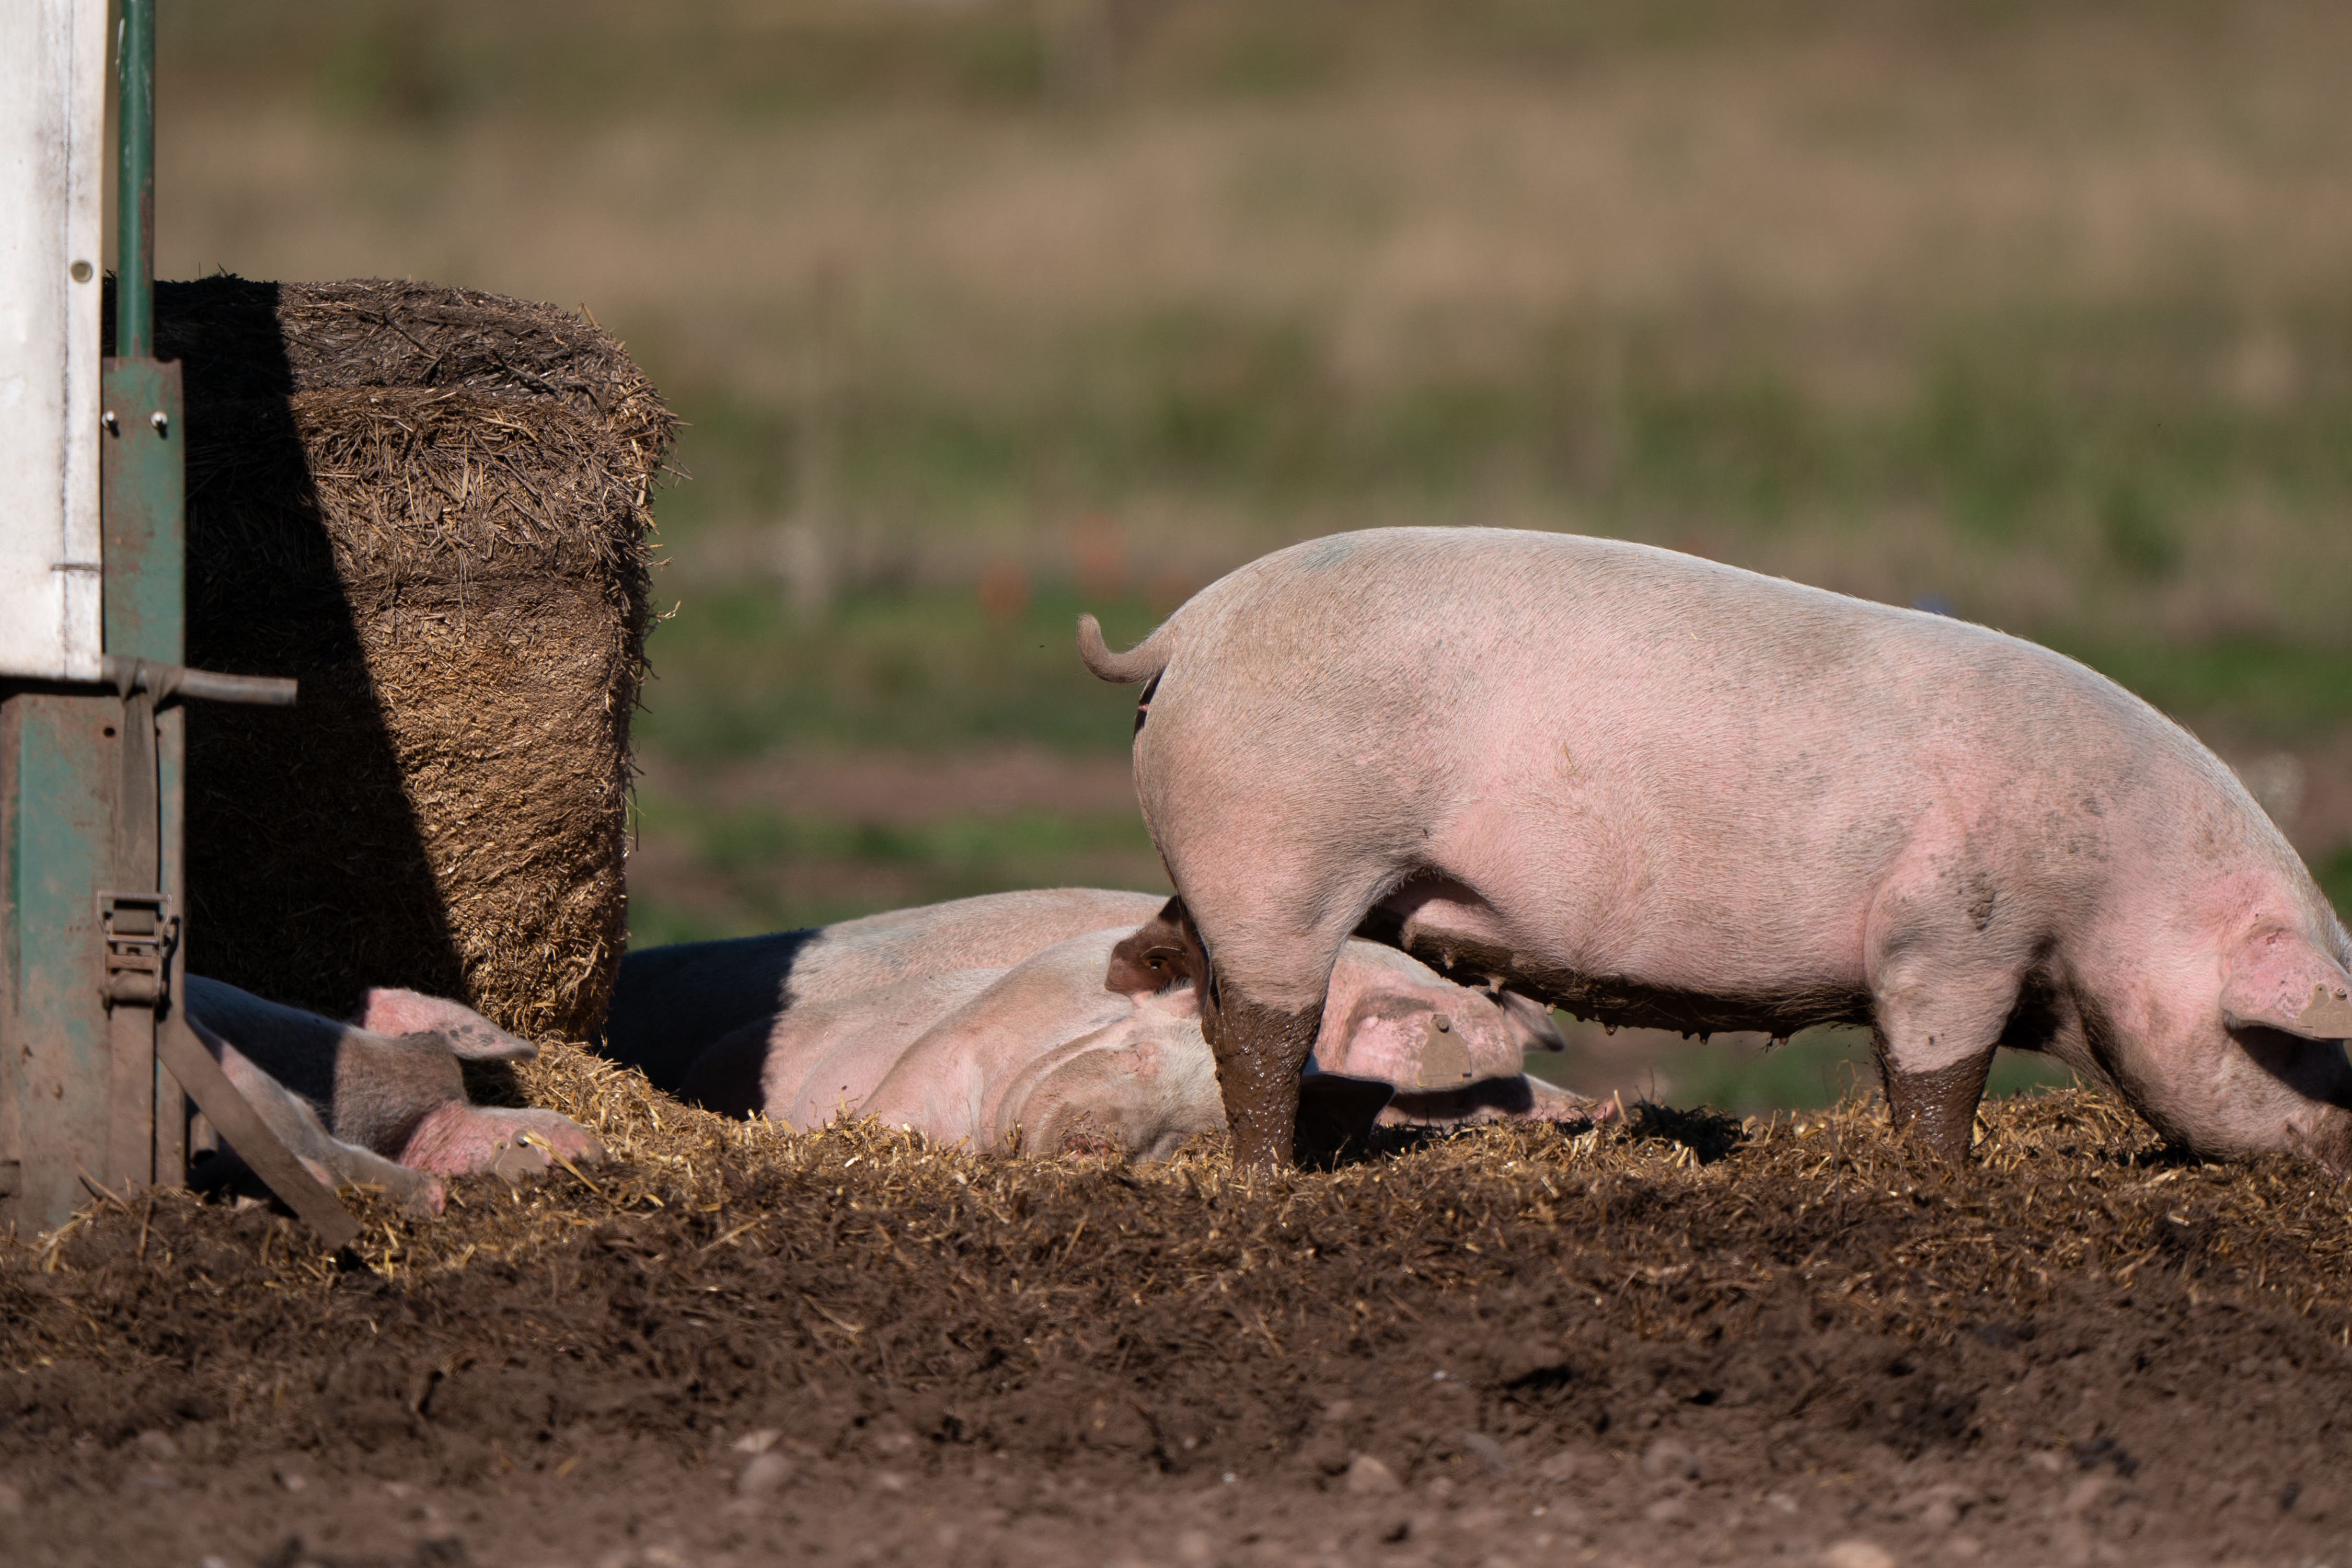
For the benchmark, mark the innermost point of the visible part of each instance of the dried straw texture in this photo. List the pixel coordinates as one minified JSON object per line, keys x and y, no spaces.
{"x":1515,"y":1317}
{"x":431,"y":507}
{"x":1674,"y":1225}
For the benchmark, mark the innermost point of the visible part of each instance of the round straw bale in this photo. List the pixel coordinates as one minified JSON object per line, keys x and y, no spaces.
{"x":431,"y":508}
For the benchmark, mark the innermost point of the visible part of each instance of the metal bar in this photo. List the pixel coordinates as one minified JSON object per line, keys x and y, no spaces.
{"x":131,"y":1017}
{"x":134,"y":265}
{"x":170,"y":680}
{"x":260,"y":690}
{"x":171,"y":1100}
{"x":143,"y":486}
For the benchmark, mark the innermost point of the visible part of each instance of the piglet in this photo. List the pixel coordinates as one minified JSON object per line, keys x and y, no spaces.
{"x":362,"y":1104}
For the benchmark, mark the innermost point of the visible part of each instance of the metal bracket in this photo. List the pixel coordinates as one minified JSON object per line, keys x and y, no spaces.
{"x":165,"y":682}
{"x":140,"y":931}
{"x":141,"y":928}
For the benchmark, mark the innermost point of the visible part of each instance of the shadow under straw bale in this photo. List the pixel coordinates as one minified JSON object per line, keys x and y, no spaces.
{"x":429,"y":506}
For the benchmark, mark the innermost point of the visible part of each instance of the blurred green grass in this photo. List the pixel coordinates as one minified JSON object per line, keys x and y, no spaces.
{"x":2118,"y":417}
{"x":761,"y":869}
{"x":2033,"y":313}
{"x":2067,"y":472}
{"x":741,"y":673}
{"x":1819,"y":1067}
{"x":744,"y":673}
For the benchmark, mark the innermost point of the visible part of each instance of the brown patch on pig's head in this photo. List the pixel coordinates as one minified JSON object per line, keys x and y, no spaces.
{"x":1160,"y":954}
{"x":1391,"y":1018}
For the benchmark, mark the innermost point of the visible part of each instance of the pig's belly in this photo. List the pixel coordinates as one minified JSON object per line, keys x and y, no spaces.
{"x":1698,"y":977}
{"x":824,"y":1061}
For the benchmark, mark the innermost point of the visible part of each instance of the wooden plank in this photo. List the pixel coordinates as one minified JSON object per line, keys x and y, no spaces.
{"x":241,"y":1128}
{"x":52,"y":163}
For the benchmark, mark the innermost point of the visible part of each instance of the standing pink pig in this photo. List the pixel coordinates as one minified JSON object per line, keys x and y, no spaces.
{"x":1655,"y":790}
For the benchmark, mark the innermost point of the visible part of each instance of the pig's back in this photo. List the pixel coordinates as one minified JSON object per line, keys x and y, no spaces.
{"x":670,"y":1004}
{"x":993,"y":931}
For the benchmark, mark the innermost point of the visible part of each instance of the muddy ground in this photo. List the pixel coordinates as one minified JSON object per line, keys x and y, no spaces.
{"x":1690,"y":1341}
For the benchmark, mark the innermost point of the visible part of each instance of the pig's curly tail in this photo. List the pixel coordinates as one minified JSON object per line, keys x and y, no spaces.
{"x":1141,"y":662}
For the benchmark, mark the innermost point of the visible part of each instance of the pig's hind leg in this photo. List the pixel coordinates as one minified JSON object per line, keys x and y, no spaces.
{"x":1262,"y":1007}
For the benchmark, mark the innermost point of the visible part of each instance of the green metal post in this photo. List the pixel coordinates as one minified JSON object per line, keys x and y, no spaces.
{"x":143,"y":511}
{"x":134,"y":250}
{"x":58,"y":763}
{"x":83,"y":1080}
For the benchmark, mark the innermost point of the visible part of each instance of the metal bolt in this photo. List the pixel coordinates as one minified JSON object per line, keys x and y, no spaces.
{"x":113,"y":426}
{"x":160,"y":421}
{"x":81,"y":272}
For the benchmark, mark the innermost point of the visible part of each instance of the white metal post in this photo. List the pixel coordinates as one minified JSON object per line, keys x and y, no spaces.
{"x":53,"y":72}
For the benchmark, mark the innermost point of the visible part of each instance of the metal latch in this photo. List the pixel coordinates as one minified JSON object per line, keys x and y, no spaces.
{"x":139,"y":930}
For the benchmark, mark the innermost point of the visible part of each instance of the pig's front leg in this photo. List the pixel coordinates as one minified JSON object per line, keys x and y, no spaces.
{"x":1938,"y":1005}
{"x":1936,"y":1106}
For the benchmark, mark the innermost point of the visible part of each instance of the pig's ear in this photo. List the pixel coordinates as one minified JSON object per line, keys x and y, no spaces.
{"x":1530,"y":1023}
{"x":2277,"y":980}
{"x":394,"y":1010}
{"x":1158,"y":955}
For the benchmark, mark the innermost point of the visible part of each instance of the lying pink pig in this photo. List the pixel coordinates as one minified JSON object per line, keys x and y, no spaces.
{"x":1089,"y":1043}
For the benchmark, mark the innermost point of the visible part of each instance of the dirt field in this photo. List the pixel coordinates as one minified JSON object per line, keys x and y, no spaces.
{"x":1688,"y":1342}
{"x":2036,"y":312}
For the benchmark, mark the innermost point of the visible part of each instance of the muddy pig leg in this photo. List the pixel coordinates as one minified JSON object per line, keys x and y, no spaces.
{"x":1939,"y":1013}
{"x":1262,"y":1019}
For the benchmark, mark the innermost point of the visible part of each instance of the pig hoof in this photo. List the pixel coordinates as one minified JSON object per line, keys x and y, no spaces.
{"x":1937,"y":1110}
